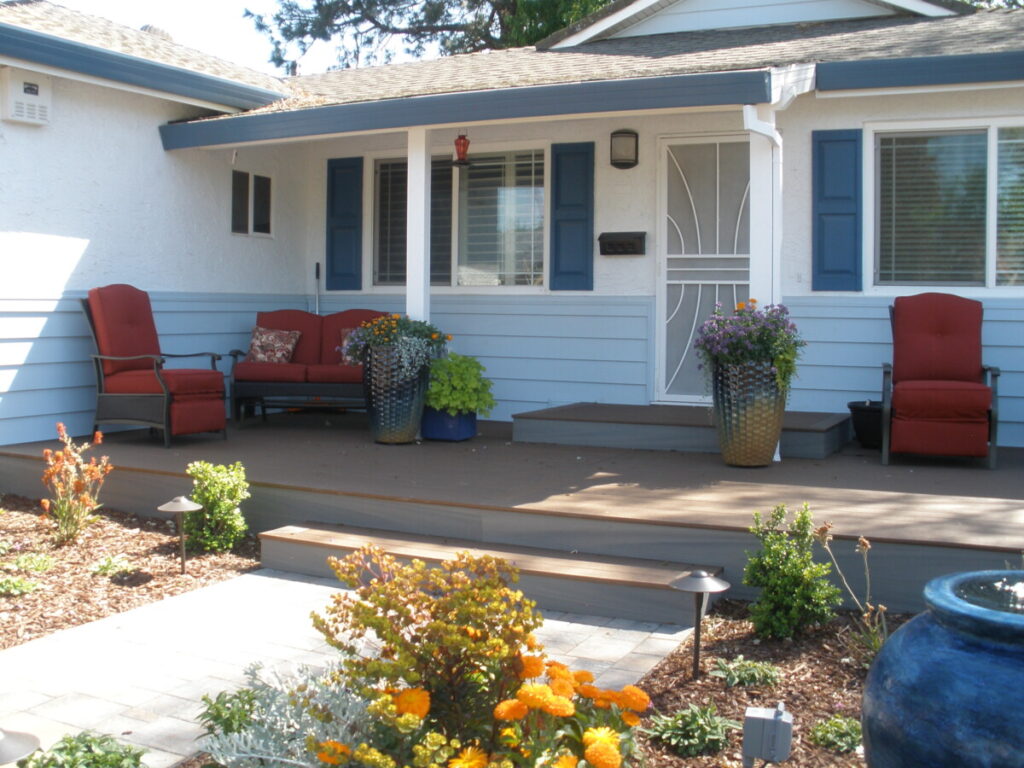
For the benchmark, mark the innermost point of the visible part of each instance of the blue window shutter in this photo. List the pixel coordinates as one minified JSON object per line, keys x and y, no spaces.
{"x":836,"y":211}
{"x":572,"y":217}
{"x":344,"y":224}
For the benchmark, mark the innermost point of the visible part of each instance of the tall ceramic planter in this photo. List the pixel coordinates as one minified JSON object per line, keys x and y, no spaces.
{"x":393,"y":398}
{"x":748,"y":406}
{"x":946,"y":689}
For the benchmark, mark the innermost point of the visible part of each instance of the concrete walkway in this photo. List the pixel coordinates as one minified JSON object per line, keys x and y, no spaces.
{"x":140,"y":675}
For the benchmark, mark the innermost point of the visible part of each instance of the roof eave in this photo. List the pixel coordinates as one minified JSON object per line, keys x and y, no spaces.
{"x":921,"y":71}
{"x":40,"y":48}
{"x":694,"y":90}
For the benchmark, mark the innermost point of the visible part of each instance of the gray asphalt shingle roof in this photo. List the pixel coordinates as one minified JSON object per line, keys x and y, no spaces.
{"x":51,"y":19}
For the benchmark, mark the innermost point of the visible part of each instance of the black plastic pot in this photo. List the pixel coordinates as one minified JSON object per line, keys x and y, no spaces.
{"x":867,"y":422}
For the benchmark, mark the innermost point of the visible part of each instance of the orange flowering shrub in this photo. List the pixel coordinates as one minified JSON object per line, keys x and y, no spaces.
{"x":75,"y":484}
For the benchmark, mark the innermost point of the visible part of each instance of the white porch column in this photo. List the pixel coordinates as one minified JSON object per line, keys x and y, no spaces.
{"x":765,"y":205}
{"x":417,"y":231}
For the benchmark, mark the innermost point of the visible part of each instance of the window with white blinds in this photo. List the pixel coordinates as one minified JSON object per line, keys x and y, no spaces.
{"x":391,"y":181}
{"x":933,"y":214}
{"x":501,"y":220}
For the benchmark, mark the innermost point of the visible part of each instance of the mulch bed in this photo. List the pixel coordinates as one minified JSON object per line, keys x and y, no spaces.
{"x":70,"y":594}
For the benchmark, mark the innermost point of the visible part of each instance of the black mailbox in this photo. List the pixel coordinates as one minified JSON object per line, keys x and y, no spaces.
{"x":623,"y":243}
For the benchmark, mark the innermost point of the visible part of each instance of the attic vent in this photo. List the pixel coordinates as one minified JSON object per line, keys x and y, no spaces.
{"x":163,"y":34}
{"x":25,"y":96}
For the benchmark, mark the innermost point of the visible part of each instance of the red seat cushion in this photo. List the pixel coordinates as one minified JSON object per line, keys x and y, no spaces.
{"x":936,"y":336}
{"x":180,"y":381}
{"x":332,"y":328}
{"x":335,"y":373}
{"x":194,"y":415}
{"x":123,"y":323}
{"x":941,"y":400}
{"x":246,"y":371}
{"x":307,"y":350}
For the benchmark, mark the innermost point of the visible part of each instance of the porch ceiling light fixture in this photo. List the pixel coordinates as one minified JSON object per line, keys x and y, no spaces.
{"x":701,"y":584}
{"x":178,"y":506}
{"x":625,"y":149}
{"x":461,"y":150}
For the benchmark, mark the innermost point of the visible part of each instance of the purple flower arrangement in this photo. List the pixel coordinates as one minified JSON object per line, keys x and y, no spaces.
{"x":751,"y":334}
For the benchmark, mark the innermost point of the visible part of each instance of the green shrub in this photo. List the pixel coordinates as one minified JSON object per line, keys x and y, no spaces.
{"x":34,"y":562}
{"x":111,"y":565}
{"x":229,"y":712}
{"x":837,"y":734}
{"x":693,"y":731}
{"x":219,"y":525}
{"x":86,"y":750}
{"x":15,"y":586}
{"x":741,"y":671}
{"x":5,"y":547}
{"x":795,"y":590}
{"x":458,"y":385}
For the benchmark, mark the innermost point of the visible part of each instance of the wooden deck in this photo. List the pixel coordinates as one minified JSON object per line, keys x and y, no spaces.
{"x":924,"y":517}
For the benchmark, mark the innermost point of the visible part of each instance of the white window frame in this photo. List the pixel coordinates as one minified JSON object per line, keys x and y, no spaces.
{"x":370,"y":159}
{"x":251,"y":206}
{"x":869,"y":203}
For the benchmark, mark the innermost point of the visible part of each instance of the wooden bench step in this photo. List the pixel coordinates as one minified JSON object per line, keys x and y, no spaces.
{"x":621,"y":587}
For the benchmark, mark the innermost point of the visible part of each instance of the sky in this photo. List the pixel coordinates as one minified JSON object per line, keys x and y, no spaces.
{"x":216,"y":27}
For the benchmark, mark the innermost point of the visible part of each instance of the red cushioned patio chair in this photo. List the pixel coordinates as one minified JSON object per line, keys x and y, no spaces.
{"x":937,"y":397}
{"x":132,"y":385}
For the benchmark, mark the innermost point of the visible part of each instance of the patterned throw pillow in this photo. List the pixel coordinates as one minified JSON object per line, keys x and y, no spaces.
{"x":345,"y":359}
{"x":270,"y":345}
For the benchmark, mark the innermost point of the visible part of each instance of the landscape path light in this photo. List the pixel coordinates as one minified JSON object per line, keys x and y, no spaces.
{"x":701,"y":584}
{"x":178,"y":506}
{"x":15,"y":745}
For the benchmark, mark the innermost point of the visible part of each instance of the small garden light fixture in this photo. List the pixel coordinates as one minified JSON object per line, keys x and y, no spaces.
{"x":701,"y":584}
{"x":178,"y":506}
{"x":15,"y":745}
{"x":625,"y":149}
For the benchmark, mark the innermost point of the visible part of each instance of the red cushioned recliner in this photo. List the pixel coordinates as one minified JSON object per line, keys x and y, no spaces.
{"x":132,"y":385}
{"x":937,"y":397}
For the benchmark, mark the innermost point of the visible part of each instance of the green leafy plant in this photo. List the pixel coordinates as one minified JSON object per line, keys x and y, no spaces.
{"x":15,"y":586}
{"x":34,"y":562}
{"x":228,"y":712}
{"x":742,"y":671}
{"x":458,"y":385}
{"x":5,"y":547}
{"x":872,"y":629}
{"x":111,"y":565}
{"x":85,"y":750}
{"x":795,"y":590}
{"x":219,"y":525}
{"x":75,"y":483}
{"x":837,"y":734}
{"x":693,"y":731}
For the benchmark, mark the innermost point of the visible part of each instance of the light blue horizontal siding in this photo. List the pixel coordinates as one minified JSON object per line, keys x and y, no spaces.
{"x":849,"y":337}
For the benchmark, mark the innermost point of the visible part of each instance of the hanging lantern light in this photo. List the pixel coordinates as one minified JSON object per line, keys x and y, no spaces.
{"x":461,"y":150}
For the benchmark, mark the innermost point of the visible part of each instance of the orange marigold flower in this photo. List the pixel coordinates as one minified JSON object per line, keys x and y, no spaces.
{"x":396,"y":315}
{"x":534,"y":695}
{"x":740,"y":305}
{"x":583,"y":676}
{"x":562,"y":687}
{"x":603,"y":755}
{"x":510,"y":709}
{"x":470,"y":757}
{"x":435,"y":336}
{"x":532,"y":643}
{"x":558,"y":670}
{"x":602,"y":733}
{"x":751,"y":301}
{"x":630,"y":718}
{"x":97,"y":438}
{"x":332,"y":752}
{"x":530,"y":666}
{"x":634,"y":698}
{"x":449,"y":337}
{"x":566,"y":761}
{"x":45,"y":504}
{"x":413,"y":701}
{"x":559,"y":706}
{"x":589,"y":691}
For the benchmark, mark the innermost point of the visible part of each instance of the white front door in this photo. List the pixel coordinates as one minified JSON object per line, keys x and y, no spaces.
{"x":704,"y":251}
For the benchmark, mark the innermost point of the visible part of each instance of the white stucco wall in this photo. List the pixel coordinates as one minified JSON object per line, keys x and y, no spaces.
{"x":93,"y":198}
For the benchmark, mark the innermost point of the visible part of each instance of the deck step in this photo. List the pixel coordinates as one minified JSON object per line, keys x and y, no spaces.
{"x":686,"y":428}
{"x":618,"y":587}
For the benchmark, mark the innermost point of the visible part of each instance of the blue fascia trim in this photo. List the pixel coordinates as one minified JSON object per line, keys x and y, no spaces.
{"x":40,"y":48}
{"x":920,"y":71}
{"x":721,"y":88}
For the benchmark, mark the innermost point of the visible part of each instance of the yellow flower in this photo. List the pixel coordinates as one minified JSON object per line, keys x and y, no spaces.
{"x":534,"y":695}
{"x":565,"y":761}
{"x":332,"y":752}
{"x":531,"y":642}
{"x":559,"y":706}
{"x":562,"y":687}
{"x":603,"y":733}
{"x":509,"y":736}
{"x":630,"y":718}
{"x":740,"y":305}
{"x":634,"y":698}
{"x":510,"y":709}
{"x":603,"y":755}
{"x":396,"y":315}
{"x":414,"y":701}
{"x":531,"y":666}
{"x":470,"y":757}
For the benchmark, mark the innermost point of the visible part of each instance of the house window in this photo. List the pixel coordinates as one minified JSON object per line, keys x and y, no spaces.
{"x":250,"y":202}
{"x":934,"y":222}
{"x":500,"y":221}
{"x":391,"y":210}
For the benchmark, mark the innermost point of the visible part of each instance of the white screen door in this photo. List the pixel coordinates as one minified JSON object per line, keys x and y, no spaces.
{"x":704,"y":252}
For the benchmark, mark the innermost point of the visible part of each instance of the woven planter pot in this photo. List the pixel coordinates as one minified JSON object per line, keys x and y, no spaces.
{"x":394,"y":402}
{"x":748,"y":407}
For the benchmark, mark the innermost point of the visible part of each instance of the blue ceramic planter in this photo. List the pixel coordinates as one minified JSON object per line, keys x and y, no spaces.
{"x":439,"y":425}
{"x":947,"y":689}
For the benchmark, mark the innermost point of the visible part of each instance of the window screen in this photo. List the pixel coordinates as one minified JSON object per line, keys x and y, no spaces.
{"x":1010,"y":225}
{"x":240,"y":202}
{"x":261,"y":204}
